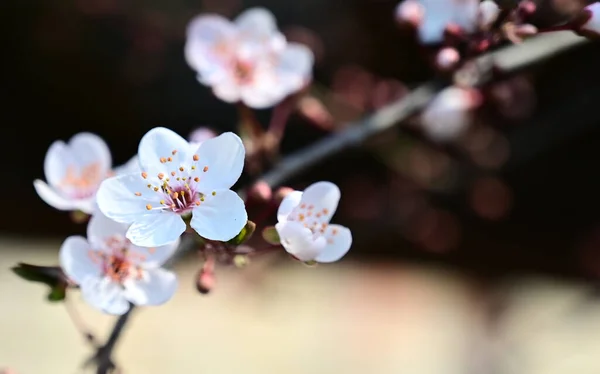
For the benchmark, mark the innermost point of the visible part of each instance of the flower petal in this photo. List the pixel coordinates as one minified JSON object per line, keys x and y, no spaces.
{"x":156,"y":286}
{"x":156,"y":230}
{"x":208,"y":47}
{"x":118,"y":200}
{"x":288,"y":204}
{"x":339,"y":240}
{"x":294,"y":67}
{"x":90,"y":149}
{"x":100,"y":228}
{"x":227,"y":90}
{"x":223,"y":159}
{"x":323,"y":197}
{"x":256,"y":23}
{"x":103,"y":294}
{"x":220,"y":217}
{"x":299,"y":241}
{"x":154,"y":257}
{"x":75,"y":259}
{"x":58,"y":158}
{"x":158,"y":145}
{"x":130,"y":167}
{"x":51,"y":197}
{"x":87,"y":205}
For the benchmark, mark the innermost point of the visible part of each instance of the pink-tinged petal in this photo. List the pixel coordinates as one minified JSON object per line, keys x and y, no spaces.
{"x":156,"y":230}
{"x":448,"y":115}
{"x":294,"y":67}
{"x":291,"y":201}
{"x":88,"y":205}
{"x":103,"y":294}
{"x":160,"y":144}
{"x":57,"y":160}
{"x":264,"y":92}
{"x":227,"y":90}
{"x":321,"y":200}
{"x":52,"y":197}
{"x":155,"y":287}
{"x":100,"y":228}
{"x":125,"y":198}
{"x":220,"y":162}
{"x":256,"y":23}
{"x":75,"y":259}
{"x":209,"y":46}
{"x":220,"y":216}
{"x":339,"y":240}
{"x":153,"y":257}
{"x":593,"y":23}
{"x":299,"y":241}
{"x":90,"y":149}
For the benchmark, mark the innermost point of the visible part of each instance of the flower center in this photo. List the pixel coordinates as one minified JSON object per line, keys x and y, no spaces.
{"x":243,"y":71}
{"x":314,"y":219}
{"x":177,"y":190}
{"x":117,"y":263}
{"x":82,"y":182}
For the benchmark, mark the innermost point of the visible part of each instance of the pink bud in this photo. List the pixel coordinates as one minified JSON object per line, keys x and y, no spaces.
{"x":282,"y":192}
{"x":527,"y":7}
{"x":410,"y":11}
{"x":201,"y":134}
{"x":447,"y":58}
{"x":261,"y":191}
{"x":592,"y":14}
{"x":205,"y":280}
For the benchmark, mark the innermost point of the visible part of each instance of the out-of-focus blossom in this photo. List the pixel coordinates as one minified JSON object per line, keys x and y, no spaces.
{"x":247,"y":60}
{"x":304,"y":228}
{"x":517,"y":33}
{"x":449,"y":113}
{"x":201,"y":134}
{"x":439,"y":14}
{"x":74,"y":171}
{"x":592,"y":25}
{"x":488,"y":13}
{"x":112,"y":272}
{"x":178,"y":179}
{"x":447,"y":58}
{"x":411,"y":11}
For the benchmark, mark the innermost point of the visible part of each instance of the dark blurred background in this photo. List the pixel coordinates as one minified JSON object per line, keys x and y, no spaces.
{"x":525,"y":201}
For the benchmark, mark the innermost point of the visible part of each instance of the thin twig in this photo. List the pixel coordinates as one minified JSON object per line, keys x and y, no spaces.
{"x":79,"y":323}
{"x":507,"y":60}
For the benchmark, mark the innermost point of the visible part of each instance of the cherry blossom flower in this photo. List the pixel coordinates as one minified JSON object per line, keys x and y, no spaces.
{"x":247,"y":60}
{"x":449,"y":113}
{"x":592,"y":25}
{"x":112,"y":272}
{"x":178,"y":179}
{"x":488,"y":13}
{"x":439,"y":14}
{"x":74,"y":171}
{"x":303,"y":224}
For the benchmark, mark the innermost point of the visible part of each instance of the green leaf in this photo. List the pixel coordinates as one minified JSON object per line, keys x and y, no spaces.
{"x":52,"y":276}
{"x":271,"y":236}
{"x":244,"y":235}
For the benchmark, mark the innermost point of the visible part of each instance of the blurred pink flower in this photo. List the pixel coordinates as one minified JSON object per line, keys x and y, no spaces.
{"x":247,"y":60}
{"x":593,"y":19}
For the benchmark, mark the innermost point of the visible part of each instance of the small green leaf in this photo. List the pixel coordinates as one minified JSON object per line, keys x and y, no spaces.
{"x":271,"y":236}
{"x":52,"y":276}
{"x":244,"y":235}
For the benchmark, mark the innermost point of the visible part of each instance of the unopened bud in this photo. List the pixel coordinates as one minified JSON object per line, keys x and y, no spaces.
{"x":527,"y":7}
{"x":282,"y":192}
{"x":488,"y":13}
{"x":447,"y":58}
{"x":591,"y":24}
{"x":261,"y":191}
{"x":205,"y":280}
{"x":411,"y":12}
{"x":201,"y":134}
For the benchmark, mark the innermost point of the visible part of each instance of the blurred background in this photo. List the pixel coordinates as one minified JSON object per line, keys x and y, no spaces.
{"x":477,"y":256}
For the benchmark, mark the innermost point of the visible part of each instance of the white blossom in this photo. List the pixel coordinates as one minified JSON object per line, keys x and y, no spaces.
{"x":247,"y":60}
{"x":593,"y":22}
{"x":178,"y":179}
{"x":303,"y":224}
{"x":488,"y":13}
{"x":112,"y":272}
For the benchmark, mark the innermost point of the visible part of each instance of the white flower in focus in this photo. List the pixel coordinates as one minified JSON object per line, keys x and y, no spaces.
{"x":593,"y":22}
{"x":247,"y":60}
{"x":441,"y":13}
{"x":449,"y":113}
{"x":74,"y":171}
{"x":111,"y":272}
{"x":178,"y":179}
{"x":303,"y":224}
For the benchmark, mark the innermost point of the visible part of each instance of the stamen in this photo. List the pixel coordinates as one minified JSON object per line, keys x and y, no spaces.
{"x":138,"y":194}
{"x":144,"y":175}
{"x":149,"y":207}
{"x":196,"y":158}
{"x":205,"y":169}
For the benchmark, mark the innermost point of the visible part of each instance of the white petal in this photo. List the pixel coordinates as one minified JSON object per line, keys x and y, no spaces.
{"x":100,"y":228}
{"x":299,"y":241}
{"x":162,"y":143}
{"x":593,"y":24}
{"x":288,"y":204}
{"x":339,"y":240}
{"x":256,"y":23}
{"x":103,"y":294}
{"x":52,"y":197}
{"x":223,"y":157}
{"x":323,"y":197}
{"x":220,"y":217}
{"x":57,"y":159}
{"x":117,"y":198}
{"x":209,"y":46}
{"x":156,"y":230}
{"x":294,"y":68}
{"x":88,"y":149}
{"x":75,"y":260}
{"x":130,"y":167}
{"x":157,"y":286}
{"x":227,"y":90}
{"x":154,"y":257}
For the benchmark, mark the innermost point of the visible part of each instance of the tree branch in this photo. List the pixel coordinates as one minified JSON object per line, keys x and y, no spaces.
{"x":507,"y":60}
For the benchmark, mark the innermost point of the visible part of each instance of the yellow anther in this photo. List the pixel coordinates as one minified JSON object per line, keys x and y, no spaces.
{"x":301,"y":217}
{"x":138,"y":194}
{"x":202,"y":198}
{"x":193,"y":167}
{"x":181,"y":168}
{"x":196,"y":158}
{"x":148,"y":185}
{"x":155,"y":189}
{"x":170,"y":159}
{"x":144,"y":175}
{"x":182,"y":193}
{"x":197,"y":202}
{"x":161,"y":176}
{"x":163,"y":160}
{"x":174,"y":152}
{"x":205,"y":169}
{"x":175,"y":195}
{"x":148,"y":206}
{"x":196,"y":179}
{"x":173,"y":173}
{"x":214,"y":193}
{"x":162,"y":202}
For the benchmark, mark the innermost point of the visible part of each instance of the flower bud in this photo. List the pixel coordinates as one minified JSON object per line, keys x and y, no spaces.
{"x":281,"y":193}
{"x":201,"y":134}
{"x":205,"y":280}
{"x":488,"y":13}
{"x":592,"y":23}
{"x":447,"y":58}
{"x":411,"y":12}
{"x":261,"y":191}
